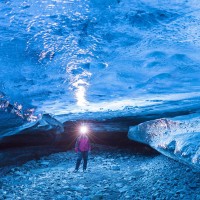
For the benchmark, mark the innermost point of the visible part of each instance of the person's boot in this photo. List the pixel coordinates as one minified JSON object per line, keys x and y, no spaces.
{"x":76,"y":170}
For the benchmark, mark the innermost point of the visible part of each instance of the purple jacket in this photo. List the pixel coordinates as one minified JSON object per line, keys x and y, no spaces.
{"x":82,"y":144}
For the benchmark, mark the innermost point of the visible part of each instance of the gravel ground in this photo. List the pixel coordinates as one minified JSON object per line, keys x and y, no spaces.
{"x":112,"y":174}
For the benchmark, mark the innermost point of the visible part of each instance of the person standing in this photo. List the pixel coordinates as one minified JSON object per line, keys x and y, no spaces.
{"x":82,"y":147}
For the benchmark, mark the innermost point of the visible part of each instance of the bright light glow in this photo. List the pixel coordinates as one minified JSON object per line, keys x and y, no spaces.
{"x":83,"y":129}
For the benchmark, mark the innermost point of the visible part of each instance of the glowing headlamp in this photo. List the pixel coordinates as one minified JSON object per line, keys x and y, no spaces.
{"x":83,"y":129}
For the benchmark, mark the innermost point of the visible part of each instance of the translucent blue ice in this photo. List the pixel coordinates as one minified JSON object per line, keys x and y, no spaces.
{"x":176,"y":138}
{"x":76,"y":55}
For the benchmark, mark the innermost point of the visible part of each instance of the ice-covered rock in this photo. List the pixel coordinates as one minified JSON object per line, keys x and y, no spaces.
{"x":178,"y":138}
{"x":53,"y":123}
{"x":46,"y":122}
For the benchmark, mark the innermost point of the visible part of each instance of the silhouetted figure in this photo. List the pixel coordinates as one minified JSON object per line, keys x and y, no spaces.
{"x":82,"y":147}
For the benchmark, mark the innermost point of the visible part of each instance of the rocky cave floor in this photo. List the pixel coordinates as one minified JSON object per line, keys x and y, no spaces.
{"x":112,"y":174}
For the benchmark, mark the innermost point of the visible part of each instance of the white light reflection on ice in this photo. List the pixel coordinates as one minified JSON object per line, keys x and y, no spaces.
{"x":78,"y":78}
{"x":80,"y":92}
{"x":80,"y":96}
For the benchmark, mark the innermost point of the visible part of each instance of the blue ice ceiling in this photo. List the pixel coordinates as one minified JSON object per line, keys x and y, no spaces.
{"x":72,"y":56}
{"x":75,"y":56}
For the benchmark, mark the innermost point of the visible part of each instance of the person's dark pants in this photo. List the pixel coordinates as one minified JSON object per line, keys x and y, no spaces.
{"x":82,"y":155}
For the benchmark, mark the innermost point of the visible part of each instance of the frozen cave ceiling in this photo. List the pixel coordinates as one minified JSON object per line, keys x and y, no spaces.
{"x":109,"y":57}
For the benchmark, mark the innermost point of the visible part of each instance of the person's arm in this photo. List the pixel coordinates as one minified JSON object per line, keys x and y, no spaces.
{"x":89,"y":144}
{"x":77,"y":145}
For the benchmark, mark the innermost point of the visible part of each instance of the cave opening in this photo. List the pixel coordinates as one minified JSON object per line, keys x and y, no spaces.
{"x":33,"y":144}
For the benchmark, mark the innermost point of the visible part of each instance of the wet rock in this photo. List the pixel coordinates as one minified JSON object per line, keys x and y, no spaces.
{"x":188,"y":169}
{"x":123,"y":189}
{"x":45,"y":163}
{"x":106,"y":186}
{"x":127,"y":196}
{"x":97,"y":197}
{"x":119,"y":185}
{"x":198,"y":196}
{"x":193,"y":186}
{"x":86,"y":198}
{"x":138,"y":173}
{"x":129,"y":178}
{"x":115,"y":168}
{"x":75,"y":188}
{"x":62,"y":197}
{"x":19,"y":173}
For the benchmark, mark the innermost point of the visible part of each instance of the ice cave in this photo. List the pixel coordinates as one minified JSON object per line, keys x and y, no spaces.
{"x":129,"y":70}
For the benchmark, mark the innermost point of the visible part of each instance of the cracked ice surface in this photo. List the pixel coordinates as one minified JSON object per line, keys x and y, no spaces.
{"x":178,"y":138}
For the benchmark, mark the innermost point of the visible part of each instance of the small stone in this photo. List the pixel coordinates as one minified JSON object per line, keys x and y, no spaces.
{"x":66,"y":187}
{"x":188,"y":169}
{"x":153,"y":197}
{"x":82,"y":187}
{"x":198,"y":196}
{"x":75,"y":188}
{"x":129,"y":178}
{"x":44,"y":163}
{"x":97,"y":197}
{"x":118,"y":184}
{"x":193,"y":186}
{"x":61,"y":197}
{"x":106,"y":186}
{"x":19,"y":173}
{"x":86,"y":198}
{"x":115,"y":168}
{"x":124,"y":189}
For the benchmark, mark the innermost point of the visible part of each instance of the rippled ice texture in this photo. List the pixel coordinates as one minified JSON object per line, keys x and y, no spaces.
{"x":176,"y":138}
{"x":62,"y":56}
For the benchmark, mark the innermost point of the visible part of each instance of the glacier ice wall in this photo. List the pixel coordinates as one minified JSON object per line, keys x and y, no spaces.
{"x":176,"y":138}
